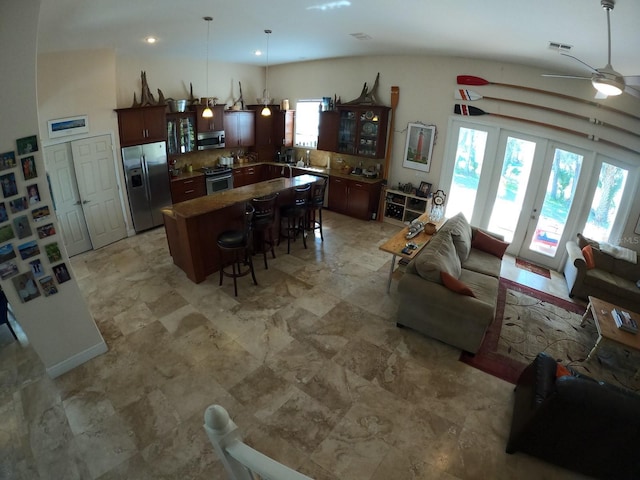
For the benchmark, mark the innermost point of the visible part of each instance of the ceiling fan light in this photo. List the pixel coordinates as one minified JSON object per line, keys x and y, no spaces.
{"x":207,"y":113}
{"x":606,"y":86}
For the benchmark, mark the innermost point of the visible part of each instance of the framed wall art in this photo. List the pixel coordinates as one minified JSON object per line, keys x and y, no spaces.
{"x":419,"y":146}
{"x":68,"y":126}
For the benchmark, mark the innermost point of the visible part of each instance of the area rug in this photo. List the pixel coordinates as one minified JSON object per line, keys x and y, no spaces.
{"x":529,"y":321}
{"x":532,"y":267}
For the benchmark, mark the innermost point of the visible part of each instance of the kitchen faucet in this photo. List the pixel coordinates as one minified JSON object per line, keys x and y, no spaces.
{"x":290,"y":170}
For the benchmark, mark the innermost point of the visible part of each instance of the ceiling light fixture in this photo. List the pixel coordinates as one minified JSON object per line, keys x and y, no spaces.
{"x":207,"y":112}
{"x":266,"y":111}
{"x":151,"y":40}
{"x":608,"y":86}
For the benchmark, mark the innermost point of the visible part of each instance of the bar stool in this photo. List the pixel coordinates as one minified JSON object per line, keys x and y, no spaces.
{"x":235,"y":251}
{"x":295,"y":214}
{"x":264,"y":219}
{"x":314,"y":207}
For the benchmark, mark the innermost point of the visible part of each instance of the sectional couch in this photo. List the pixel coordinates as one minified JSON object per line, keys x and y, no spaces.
{"x":450,"y":290}
{"x":592,"y":268}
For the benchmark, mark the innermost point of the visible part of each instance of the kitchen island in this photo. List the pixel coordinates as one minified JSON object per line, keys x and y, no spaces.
{"x":193,"y":226}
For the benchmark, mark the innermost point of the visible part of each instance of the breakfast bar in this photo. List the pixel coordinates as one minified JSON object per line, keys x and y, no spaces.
{"x":193,"y":226}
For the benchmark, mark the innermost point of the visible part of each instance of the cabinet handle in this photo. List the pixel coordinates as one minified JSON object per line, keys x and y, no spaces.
{"x":189,"y":191}
{"x":188,"y":181}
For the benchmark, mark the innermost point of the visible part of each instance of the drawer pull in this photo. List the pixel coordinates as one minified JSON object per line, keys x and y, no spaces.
{"x":189,"y":191}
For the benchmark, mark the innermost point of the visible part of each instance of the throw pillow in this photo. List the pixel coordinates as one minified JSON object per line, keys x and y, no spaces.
{"x":487,"y":243}
{"x":562,"y":371}
{"x":455,"y":285}
{"x":587,"y":252}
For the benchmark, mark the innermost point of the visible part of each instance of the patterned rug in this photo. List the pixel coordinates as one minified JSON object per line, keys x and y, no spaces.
{"x":532,"y":267}
{"x":529,"y":321}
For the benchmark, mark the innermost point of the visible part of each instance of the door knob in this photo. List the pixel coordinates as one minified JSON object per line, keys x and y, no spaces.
{"x":85,"y":201}
{"x":77,"y":203}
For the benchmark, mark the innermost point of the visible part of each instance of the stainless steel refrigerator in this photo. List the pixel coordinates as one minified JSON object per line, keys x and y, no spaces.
{"x":147,"y":175}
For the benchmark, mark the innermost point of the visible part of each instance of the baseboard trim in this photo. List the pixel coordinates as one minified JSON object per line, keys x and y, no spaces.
{"x":77,"y":359}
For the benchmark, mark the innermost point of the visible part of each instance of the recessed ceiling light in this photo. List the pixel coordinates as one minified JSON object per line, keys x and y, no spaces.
{"x":330,"y":5}
{"x":258,"y":53}
{"x":151,"y":40}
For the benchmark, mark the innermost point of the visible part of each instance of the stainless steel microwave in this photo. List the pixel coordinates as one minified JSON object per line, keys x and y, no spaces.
{"x":207,"y":140}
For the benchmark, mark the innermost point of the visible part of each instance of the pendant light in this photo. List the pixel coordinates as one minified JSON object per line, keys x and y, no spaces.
{"x":207,"y":112}
{"x":266,"y":111}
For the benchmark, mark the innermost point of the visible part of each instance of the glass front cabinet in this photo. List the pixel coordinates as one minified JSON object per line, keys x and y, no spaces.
{"x":362,"y":130}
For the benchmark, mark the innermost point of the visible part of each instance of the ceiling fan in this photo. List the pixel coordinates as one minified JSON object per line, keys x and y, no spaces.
{"x":606,"y":80}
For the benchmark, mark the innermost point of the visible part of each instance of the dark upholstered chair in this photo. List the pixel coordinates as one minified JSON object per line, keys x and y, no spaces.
{"x":235,"y":247}
{"x":264,"y":220}
{"x":314,"y":207}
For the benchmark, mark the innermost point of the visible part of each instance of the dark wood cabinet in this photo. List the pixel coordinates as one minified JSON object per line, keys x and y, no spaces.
{"x":181,"y":133}
{"x":272,"y":132}
{"x":247,"y":175}
{"x":269,"y":172}
{"x":328,"y":130}
{"x":362,"y":130}
{"x":354,"y":198}
{"x":239,"y":127}
{"x":213,"y":124}
{"x":142,"y":125}
{"x":187,"y":188}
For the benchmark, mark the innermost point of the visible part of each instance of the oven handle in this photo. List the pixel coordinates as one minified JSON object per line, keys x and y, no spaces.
{"x":210,"y":178}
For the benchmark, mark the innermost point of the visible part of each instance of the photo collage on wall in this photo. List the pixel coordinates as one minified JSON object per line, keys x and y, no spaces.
{"x":25,"y":221}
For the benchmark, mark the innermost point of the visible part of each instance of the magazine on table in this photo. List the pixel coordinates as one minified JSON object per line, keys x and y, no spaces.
{"x":624,"y":321}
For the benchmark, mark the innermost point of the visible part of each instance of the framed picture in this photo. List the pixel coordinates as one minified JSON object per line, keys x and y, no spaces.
{"x":53,"y":252}
{"x":38,"y":214}
{"x":68,"y":126}
{"x":3,"y":213}
{"x":423,"y":190}
{"x":8,"y":269}
{"x":47,"y":285}
{"x":21,"y":226}
{"x":18,"y":205}
{"x":9,"y":187}
{"x":7,"y":160}
{"x":26,"y":286}
{"x":7,"y":252}
{"x":29,"y":249}
{"x":419,"y":146}
{"x":6,"y":233}
{"x":46,"y":230}
{"x":33,"y":193}
{"x":27,"y":145}
{"x":36,"y":268}
{"x":61,"y":273}
{"x":29,"y":167}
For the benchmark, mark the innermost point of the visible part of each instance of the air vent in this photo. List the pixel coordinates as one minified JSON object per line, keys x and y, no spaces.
{"x":560,"y":47}
{"x":361,"y":36}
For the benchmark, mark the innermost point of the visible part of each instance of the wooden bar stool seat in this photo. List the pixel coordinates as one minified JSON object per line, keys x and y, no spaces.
{"x":235,"y":247}
{"x":314,"y":207}
{"x":295,"y":215}
{"x":264,"y":219}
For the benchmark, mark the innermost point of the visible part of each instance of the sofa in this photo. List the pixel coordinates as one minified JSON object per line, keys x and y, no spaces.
{"x":603,"y":271}
{"x":576,"y":422}
{"x":450,"y":289}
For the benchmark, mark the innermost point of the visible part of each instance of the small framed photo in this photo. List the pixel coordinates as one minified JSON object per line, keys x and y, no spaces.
{"x":53,"y":252}
{"x":6,"y":233}
{"x":61,"y":273}
{"x":9,"y":187}
{"x":8,"y":269}
{"x":40,"y":213}
{"x":423,"y":190}
{"x":46,"y":230}
{"x":33,"y":193}
{"x":48,"y":286}
{"x":3,"y":213}
{"x":27,"y":145}
{"x":7,"y":252}
{"x":18,"y":205}
{"x":29,"y":249}
{"x":36,"y":268}
{"x":419,"y":146}
{"x":21,"y":226}
{"x":26,"y":286}
{"x":7,"y":160}
{"x":29,"y":167}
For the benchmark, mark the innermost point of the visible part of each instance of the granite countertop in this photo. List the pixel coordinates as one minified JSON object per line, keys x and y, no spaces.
{"x":217,"y":201}
{"x":187,"y":175}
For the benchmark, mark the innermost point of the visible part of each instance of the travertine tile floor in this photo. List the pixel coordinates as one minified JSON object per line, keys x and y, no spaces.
{"x":309,"y":364}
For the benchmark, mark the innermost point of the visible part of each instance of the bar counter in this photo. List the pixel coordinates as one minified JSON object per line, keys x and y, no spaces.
{"x":193,"y":226}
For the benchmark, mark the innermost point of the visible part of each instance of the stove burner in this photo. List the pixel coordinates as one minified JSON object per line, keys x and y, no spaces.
{"x":216,"y":170}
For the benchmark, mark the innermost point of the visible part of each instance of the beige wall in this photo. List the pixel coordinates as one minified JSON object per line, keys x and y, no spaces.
{"x":59,"y":327}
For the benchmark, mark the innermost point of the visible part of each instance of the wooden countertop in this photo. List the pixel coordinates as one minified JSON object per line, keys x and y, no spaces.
{"x":217,"y":201}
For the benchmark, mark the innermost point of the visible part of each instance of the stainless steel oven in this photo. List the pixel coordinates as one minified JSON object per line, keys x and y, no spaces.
{"x":218,"y":179}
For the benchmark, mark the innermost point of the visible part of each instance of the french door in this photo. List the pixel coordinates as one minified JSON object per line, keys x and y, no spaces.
{"x":534,"y":191}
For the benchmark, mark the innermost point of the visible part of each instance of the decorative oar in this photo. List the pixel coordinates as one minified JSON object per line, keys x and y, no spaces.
{"x":470,"y":110}
{"x":395,"y":98}
{"x":464,"y":94}
{"x":471,"y":80}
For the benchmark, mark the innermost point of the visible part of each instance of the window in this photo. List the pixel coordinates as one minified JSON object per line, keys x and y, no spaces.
{"x":307,"y":120}
{"x":606,"y":202}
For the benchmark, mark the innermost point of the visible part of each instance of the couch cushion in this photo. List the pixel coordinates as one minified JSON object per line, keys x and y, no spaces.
{"x":484,"y":288}
{"x":455,"y":285}
{"x":483,"y":262}
{"x":438,"y":256}
{"x":460,"y":230}
{"x":489,"y":244}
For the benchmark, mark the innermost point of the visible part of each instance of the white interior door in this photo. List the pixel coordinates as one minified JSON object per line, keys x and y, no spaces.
{"x":60,"y":170}
{"x":95,"y":170}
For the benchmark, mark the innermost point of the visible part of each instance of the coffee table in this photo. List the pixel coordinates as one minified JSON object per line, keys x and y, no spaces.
{"x":396,"y":243}
{"x":600,"y":311}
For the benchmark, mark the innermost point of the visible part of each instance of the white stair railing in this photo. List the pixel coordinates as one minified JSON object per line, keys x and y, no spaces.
{"x":240,"y":460}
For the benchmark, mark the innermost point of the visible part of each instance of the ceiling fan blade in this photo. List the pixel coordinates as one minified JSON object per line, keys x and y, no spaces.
{"x":600,"y":96}
{"x":635,"y":91}
{"x":554,"y":75}
{"x":577,"y":59}
{"x":632,"y":80}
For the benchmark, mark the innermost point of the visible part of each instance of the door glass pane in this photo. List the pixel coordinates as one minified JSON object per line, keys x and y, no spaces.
{"x":606,"y":201}
{"x":561,"y":186}
{"x":516,"y":167}
{"x":466,"y":173}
